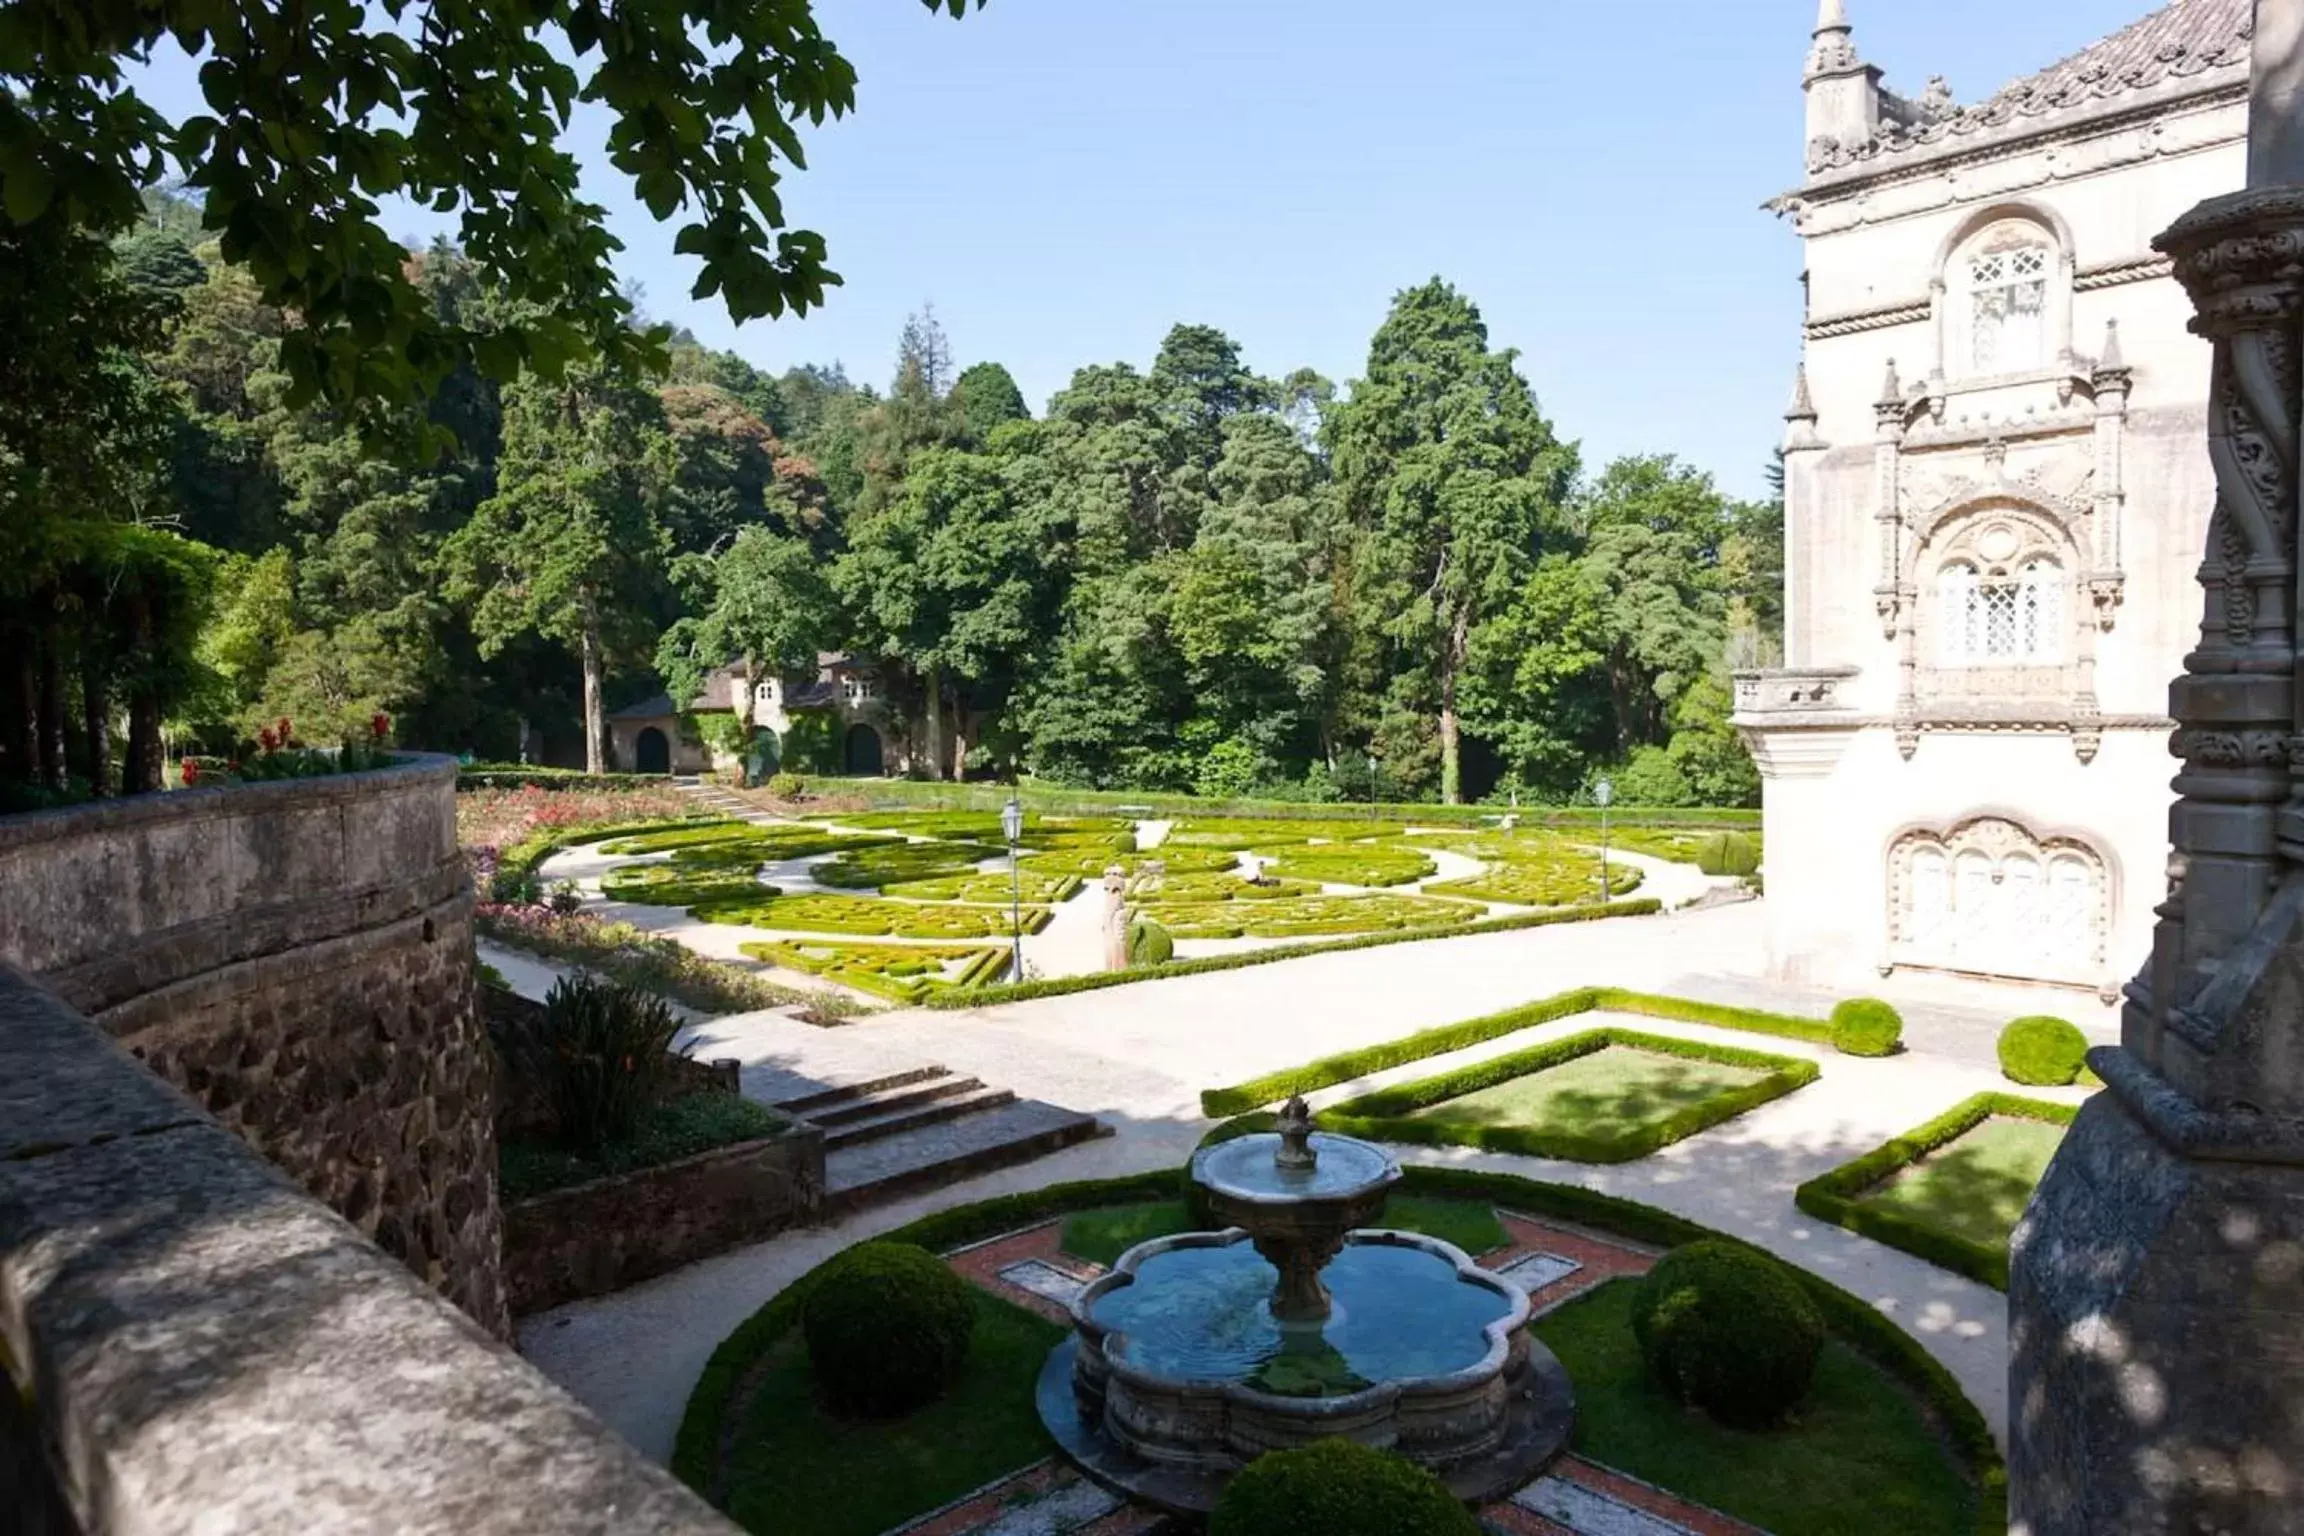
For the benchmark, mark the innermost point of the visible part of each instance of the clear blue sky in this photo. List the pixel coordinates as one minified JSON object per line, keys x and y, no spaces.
{"x":1065,"y":179}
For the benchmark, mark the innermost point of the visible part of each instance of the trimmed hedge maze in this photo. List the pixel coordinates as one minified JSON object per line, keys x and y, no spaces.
{"x":1603,"y":1096}
{"x":1306,"y":916}
{"x":870,"y":917}
{"x":1372,"y":864}
{"x":903,"y":973}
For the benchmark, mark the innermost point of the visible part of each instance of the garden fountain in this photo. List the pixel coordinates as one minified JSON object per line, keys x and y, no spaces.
{"x":1198,"y":1353}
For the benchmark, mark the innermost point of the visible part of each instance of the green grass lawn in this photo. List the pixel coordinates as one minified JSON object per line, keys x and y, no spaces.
{"x":1102,"y":1236}
{"x":1618,"y":1086}
{"x":666,"y":1133}
{"x":1858,"y":1456}
{"x":796,"y":1470}
{"x":1974,"y":1187}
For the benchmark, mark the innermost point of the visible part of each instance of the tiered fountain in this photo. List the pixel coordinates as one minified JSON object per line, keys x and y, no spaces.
{"x":1198,"y":1353}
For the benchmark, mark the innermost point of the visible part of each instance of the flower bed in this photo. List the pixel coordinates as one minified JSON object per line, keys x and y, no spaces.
{"x":1090,"y":863}
{"x":1619,"y":1107}
{"x":895,"y":863}
{"x":1962,"y":1222}
{"x":1301,"y":916}
{"x":1554,"y":878}
{"x":1213,"y":885}
{"x":683,"y":885}
{"x":903,"y":973}
{"x":665,"y":966}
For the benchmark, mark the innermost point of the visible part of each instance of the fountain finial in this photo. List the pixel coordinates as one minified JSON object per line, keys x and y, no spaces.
{"x":1295,"y":1129}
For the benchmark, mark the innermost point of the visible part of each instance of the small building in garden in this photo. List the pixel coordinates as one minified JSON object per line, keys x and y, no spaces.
{"x":837,"y":721}
{"x":1996,"y":494}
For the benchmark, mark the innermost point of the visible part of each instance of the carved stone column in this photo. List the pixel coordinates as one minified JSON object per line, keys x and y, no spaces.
{"x":2156,"y":1296}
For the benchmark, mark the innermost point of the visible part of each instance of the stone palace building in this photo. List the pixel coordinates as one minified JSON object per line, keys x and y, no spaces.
{"x":1996,"y":496}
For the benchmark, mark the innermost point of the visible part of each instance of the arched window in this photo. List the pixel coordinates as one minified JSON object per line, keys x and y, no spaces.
{"x":2004,"y":304}
{"x":2001,"y":618}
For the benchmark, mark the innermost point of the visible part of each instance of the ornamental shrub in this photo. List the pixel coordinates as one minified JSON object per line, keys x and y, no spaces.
{"x":602,"y":1051}
{"x":2043,"y":1051}
{"x":1866,"y":1026}
{"x":1726,"y":1328}
{"x":1728,"y":853}
{"x":888,"y":1327}
{"x":1149,"y":943}
{"x":1338,"y":1488}
{"x":788,"y":786}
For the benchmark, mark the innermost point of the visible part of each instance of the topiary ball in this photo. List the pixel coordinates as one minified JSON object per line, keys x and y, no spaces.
{"x":1338,"y":1488}
{"x":1728,"y":853}
{"x":1866,"y":1026}
{"x":2042,"y":1051}
{"x":1149,"y":943}
{"x":888,"y":1327}
{"x":1728,"y":1329}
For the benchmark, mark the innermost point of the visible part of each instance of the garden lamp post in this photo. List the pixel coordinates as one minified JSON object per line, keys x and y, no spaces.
{"x":1371,"y":783}
{"x":1012,"y":827}
{"x":1603,"y":792}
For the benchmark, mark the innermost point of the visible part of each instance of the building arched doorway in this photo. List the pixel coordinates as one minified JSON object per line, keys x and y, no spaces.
{"x":861,"y":756}
{"x":651,"y":753}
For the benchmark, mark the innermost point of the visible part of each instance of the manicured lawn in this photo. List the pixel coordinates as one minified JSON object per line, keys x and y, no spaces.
{"x":1858,"y":1457}
{"x":795,"y":1470}
{"x":1619,"y":1085}
{"x":1102,"y":1236}
{"x":667,"y":1133}
{"x":1975,"y":1187}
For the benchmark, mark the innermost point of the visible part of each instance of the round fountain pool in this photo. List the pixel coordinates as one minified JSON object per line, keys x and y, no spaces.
{"x":1203,"y":1313}
{"x":1199,"y":1353}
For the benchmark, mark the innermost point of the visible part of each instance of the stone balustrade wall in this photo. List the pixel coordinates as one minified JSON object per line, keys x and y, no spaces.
{"x":297,"y":956}
{"x":190,"y":1343}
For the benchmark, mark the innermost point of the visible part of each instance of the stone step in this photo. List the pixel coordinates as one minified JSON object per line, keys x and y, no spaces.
{"x":894,"y":1096}
{"x":829,"y":1096}
{"x":945,"y":1153}
{"x":974,"y":1099}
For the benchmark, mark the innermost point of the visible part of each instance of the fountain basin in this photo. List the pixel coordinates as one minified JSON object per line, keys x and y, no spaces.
{"x":1184,"y":1367}
{"x":1296,"y":1211}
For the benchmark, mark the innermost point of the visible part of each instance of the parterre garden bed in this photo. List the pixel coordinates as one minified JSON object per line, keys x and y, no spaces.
{"x":1950,"y":1191}
{"x":1602,"y":1096}
{"x":903,"y":973}
{"x":1306,"y":916}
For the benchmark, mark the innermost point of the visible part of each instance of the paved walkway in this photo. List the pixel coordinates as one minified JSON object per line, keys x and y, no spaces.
{"x":1138,"y":1056}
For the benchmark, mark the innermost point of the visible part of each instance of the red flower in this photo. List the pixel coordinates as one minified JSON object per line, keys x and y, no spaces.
{"x":191,"y":772}
{"x":379,"y":724}
{"x":232,"y":766}
{"x":264,"y":738}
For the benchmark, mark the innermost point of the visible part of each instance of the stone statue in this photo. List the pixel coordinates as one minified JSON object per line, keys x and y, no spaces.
{"x":2156,"y":1284}
{"x":1295,"y":1128}
{"x":1116,"y":918}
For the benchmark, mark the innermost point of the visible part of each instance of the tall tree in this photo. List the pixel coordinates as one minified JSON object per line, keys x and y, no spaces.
{"x":570,"y":547}
{"x":951,"y":579}
{"x":1455,"y":477}
{"x":986,"y":396}
{"x":313,"y":114}
{"x":767,"y":604}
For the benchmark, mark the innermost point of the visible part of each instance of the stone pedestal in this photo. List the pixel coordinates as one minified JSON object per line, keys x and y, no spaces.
{"x":2156,"y":1295}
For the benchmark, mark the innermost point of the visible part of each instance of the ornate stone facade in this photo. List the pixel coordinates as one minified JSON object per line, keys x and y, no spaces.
{"x":2156,"y":1293}
{"x":1995,"y":488}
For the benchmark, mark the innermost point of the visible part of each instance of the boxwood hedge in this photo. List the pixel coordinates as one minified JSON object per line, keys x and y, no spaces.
{"x":1835,"y":1196}
{"x":1390,"y":1114}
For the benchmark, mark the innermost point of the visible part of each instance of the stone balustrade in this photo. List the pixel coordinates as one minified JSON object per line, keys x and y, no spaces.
{"x":1796,"y":691}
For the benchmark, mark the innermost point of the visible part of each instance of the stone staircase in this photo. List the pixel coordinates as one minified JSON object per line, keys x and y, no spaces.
{"x":719,"y":800}
{"x":925,"y":1127}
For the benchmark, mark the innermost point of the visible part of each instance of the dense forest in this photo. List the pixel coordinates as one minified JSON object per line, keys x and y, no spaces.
{"x":1182,"y":576}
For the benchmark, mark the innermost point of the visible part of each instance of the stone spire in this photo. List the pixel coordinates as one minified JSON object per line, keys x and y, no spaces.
{"x":1843,"y":90}
{"x":2155,"y":1298}
{"x":2110,"y":360}
{"x":1800,"y":418}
